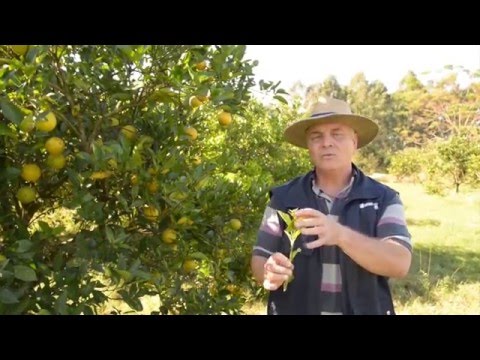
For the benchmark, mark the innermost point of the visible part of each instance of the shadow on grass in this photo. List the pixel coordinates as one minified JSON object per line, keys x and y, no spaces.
{"x":437,"y":266}
{"x":423,"y":222}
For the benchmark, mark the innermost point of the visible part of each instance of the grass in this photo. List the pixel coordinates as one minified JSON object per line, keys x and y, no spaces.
{"x":446,"y":234}
{"x":444,"y":277}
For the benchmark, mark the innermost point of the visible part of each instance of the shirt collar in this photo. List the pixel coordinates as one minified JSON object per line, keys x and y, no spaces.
{"x":342,"y":194}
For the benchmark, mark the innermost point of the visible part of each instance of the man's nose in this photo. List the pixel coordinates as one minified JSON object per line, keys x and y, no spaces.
{"x":327,"y":141}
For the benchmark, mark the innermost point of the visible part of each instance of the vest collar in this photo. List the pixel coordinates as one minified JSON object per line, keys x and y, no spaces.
{"x":363,"y":188}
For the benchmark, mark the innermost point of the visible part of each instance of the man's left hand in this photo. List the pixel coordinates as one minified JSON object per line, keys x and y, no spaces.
{"x":313,"y":222}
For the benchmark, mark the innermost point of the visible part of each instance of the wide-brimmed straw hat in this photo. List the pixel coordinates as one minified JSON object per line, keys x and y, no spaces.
{"x":326,"y":111}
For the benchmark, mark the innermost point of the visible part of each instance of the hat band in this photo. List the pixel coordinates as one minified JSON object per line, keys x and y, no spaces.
{"x":323,"y":113}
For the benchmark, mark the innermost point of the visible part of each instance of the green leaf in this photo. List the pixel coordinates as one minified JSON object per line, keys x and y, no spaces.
{"x":109,"y":234}
{"x":121,"y":96}
{"x":58,"y":261}
{"x":24,"y":273}
{"x":12,"y":172}
{"x":7,"y":131}
{"x":198,"y":255}
{"x":44,"y":227}
{"x":79,"y":83}
{"x":11,"y":111}
{"x":8,"y":297}
{"x":61,"y":304}
{"x":84,"y":156}
{"x":281,"y":99}
{"x":135,"y":304}
{"x":24,"y":246}
{"x":293,"y":236}
{"x":125,"y":274}
{"x":126,"y":49}
{"x":285,"y":217}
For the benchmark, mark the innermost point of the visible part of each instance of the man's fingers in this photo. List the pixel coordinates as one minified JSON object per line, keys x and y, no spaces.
{"x":278,"y":269}
{"x":280,"y":259}
{"x":317,"y":230}
{"x":270,"y":286}
{"x":276,"y":278}
{"x":314,"y":244}
{"x":308,"y":222}
{"x":308,"y":213}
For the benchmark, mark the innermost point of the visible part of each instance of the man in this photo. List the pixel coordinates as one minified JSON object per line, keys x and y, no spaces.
{"x":353,"y":229}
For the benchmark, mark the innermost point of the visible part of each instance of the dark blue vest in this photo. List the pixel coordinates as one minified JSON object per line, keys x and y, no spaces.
{"x":362,"y":291}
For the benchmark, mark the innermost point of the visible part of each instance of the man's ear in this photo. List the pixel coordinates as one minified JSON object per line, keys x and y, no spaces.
{"x":355,"y":139}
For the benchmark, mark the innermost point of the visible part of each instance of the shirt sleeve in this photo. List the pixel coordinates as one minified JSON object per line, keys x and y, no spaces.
{"x":269,"y":234}
{"x":393,"y":225}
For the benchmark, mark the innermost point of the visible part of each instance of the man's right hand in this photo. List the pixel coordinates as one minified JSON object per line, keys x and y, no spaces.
{"x":277,"y":270}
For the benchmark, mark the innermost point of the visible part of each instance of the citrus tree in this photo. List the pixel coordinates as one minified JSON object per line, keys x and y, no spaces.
{"x":121,"y":143}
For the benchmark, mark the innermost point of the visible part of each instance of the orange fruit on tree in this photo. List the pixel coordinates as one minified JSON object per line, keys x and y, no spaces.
{"x":169,"y":236}
{"x":194,"y":102}
{"x":235,"y":224}
{"x":26,"y":194}
{"x":191,"y":132}
{"x":202,"y":65}
{"x":54,"y":145}
{"x":56,"y":162}
{"x":27,"y":124}
{"x":19,"y":49}
{"x":31,"y":172}
{"x":48,"y":123}
{"x":129,"y":131}
{"x":150,"y":213}
{"x":225,"y":118}
{"x":189,"y":265}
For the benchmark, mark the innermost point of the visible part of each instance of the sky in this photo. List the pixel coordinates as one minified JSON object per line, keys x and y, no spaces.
{"x":388,"y":63}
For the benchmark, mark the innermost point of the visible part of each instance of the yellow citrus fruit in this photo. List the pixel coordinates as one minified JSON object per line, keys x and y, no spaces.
{"x":169,"y":236}
{"x":197,"y":160}
{"x":27,"y":125}
{"x":184,"y":221}
{"x":235,"y":224}
{"x":150,"y":213}
{"x":100,"y":175}
{"x":129,"y":132}
{"x":221,"y":253}
{"x":56,"y":162}
{"x":26,"y":194}
{"x":31,"y":172}
{"x":112,"y":163}
{"x":134,"y":179}
{"x":232,"y":289}
{"x":48,"y":123}
{"x":19,"y":49}
{"x":189,"y":265}
{"x":152,"y":171}
{"x":191,"y":132}
{"x":178,"y":195}
{"x":54,"y":146}
{"x":224,"y":118}
{"x":202,"y":98}
{"x":202,"y":65}
{"x":75,"y":110}
{"x":114,"y":122}
{"x":195,"y":102}
{"x":146,"y":141}
{"x":152,"y":186}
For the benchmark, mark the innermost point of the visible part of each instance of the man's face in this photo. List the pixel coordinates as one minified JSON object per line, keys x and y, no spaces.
{"x":331,"y":146}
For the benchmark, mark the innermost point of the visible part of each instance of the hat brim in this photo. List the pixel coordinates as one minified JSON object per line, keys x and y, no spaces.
{"x":365,"y":128}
